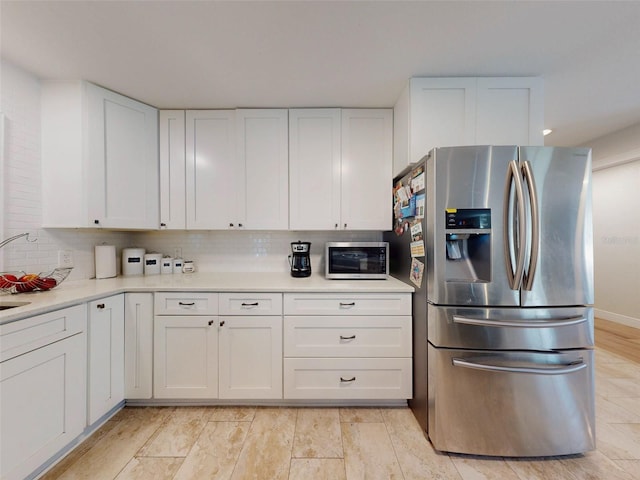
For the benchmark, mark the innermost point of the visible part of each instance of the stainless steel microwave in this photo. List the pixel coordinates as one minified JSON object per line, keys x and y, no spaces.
{"x":357,"y":260}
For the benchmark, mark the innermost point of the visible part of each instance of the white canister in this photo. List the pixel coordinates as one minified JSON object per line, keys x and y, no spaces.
{"x":188,"y":267}
{"x":152,"y":263}
{"x":177,"y":265}
{"x":166,"y":265}
{"x":133,"y":261}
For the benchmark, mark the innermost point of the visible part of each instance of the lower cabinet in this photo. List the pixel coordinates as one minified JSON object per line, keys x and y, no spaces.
{"x":106,"y":355}
{"x":185,"y":357}
{"x":138,"y":345}
{"x":336,"y":347}
{"x":42,"y":388}
{"x":230,"y":347}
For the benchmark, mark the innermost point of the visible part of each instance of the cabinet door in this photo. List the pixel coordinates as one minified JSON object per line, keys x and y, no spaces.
{"x":185,"y":357}
{"x":442,"y":114}
{"x":367,"y":138}
{"x":43,"y":398}
{"x":122,"y":161}
{"x":263,"y":163}
{"x":138,"y":345}
{"x":172,"y":170}
{"x":314,"y":169}
{"x":250,"y":357}
{"x":510,"y":111}
{"x":106,"y":355}
{"x":212,"y":182}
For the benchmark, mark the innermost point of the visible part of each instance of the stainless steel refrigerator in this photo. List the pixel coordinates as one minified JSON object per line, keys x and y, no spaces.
{"x":503,"y":315}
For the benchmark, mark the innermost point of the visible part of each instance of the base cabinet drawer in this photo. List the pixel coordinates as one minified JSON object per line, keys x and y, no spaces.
{"x":347,"y":304}
{"x":185,"y":303}
{"x":333,"y":336}
{"x":347,"y":378}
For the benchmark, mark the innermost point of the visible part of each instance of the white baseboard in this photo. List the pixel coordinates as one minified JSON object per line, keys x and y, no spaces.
{"x":616,"y":317}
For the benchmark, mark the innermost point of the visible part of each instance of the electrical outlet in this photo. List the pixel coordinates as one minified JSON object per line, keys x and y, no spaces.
{"x":65,"y":258}
{"x":177,"y":252}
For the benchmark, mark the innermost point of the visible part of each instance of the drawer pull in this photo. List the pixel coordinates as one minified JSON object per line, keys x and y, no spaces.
{"x":100,"y":306}
{"x":255,"y":304}
{"x":186,"y":304}
{"x":352,"y":337}
{"x":348,"y":380}
{"x":343,"y":304}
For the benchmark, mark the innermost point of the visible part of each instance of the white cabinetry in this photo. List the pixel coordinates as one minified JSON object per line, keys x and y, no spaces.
{"x":106,"y":355}
{"x":342,"y":346}
{"x":42,"y":388}
{"x":173,"y":208}
{"x":340,"y":168}
{"x":441,"y":112}
{"x":250,"y":344}
{"x":262,"y":182}
{"x":138,"y":345}
{"x":236,"y":169}
{"x":185,"y":345}
{"x":209,"y":345}
{"x":99,"y":158}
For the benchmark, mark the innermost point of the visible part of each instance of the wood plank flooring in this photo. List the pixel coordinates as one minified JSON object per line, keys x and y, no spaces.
{"x":618,"y":338}
{"x":270,"y":443}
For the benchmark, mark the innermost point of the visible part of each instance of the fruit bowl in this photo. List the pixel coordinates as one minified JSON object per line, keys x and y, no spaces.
{"x":21,"y":282}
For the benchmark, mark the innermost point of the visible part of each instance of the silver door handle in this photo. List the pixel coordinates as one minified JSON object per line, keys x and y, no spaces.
{"x":530,"y":272}
{"x":564,"y":369}
{"x":484,"y":322}
{"x":513,"y":176}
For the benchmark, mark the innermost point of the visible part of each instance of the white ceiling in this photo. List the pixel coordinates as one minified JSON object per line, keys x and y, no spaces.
{"x":213,"y":54}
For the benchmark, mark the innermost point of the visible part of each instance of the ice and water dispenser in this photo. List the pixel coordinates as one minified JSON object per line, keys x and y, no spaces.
{"x":468,"y":245}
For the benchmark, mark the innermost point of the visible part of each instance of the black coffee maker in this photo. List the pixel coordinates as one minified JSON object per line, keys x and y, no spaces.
{"x":299,"y":259}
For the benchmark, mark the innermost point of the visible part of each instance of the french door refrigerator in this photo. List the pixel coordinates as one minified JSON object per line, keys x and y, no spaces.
{"x":506,"y":367}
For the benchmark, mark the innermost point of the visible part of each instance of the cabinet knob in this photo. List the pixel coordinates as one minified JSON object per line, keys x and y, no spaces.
{"x":231,"y":225}
{"x":162,"y":224}
{"x":100,"y":306}
{"x":210,"y":322}
{"x":336,"y":225}
{"x":240,"y":225}
{"x":345,"y":225}
{"x":96,"y":222}
{"x":222,"y":323}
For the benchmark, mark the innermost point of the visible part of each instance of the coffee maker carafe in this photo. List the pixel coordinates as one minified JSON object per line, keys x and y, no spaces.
{"x":299,"y":259}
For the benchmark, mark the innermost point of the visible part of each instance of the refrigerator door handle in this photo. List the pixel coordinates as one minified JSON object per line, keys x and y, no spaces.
{"x":514,"y":177}
{"x":483,"y":322}
{"x":530,"y":272}
{"x":561,"y":370}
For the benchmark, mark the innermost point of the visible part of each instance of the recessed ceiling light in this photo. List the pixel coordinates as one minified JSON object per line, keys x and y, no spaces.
{"x":546,"y":131}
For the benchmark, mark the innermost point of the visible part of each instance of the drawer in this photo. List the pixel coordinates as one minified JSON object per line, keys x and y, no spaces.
{"x":250,"y":304}
{"x":25,"y":335}
{"x":347,"y":304}
{"x":347,"y":378}
{"x":185,"y":303}
{"x":370,"y":336}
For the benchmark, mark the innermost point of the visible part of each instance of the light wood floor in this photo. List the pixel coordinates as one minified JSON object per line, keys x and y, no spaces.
{"x":341,"y":443}
{"x":617,"y":338}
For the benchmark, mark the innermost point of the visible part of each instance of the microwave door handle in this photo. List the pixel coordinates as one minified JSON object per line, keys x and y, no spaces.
{"x":513,"y":177}
{"x":530,"y":273}
{"x":484,"y":322}
{"x":561,"y":370}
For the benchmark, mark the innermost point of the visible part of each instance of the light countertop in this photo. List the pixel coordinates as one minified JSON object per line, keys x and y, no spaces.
{"x":74,"y":292}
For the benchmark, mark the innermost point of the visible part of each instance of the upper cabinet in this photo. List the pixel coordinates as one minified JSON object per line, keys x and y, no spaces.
{"x":440,"y":112}
{"x":224,"y":169}
{"x":99,"y":158}
{"x":340,"y":168}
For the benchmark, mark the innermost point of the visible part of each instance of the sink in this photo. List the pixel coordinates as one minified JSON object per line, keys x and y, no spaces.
{"x":8,"y":305}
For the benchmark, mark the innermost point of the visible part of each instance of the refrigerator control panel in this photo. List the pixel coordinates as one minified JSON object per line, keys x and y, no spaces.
{"x":468,"y":218}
